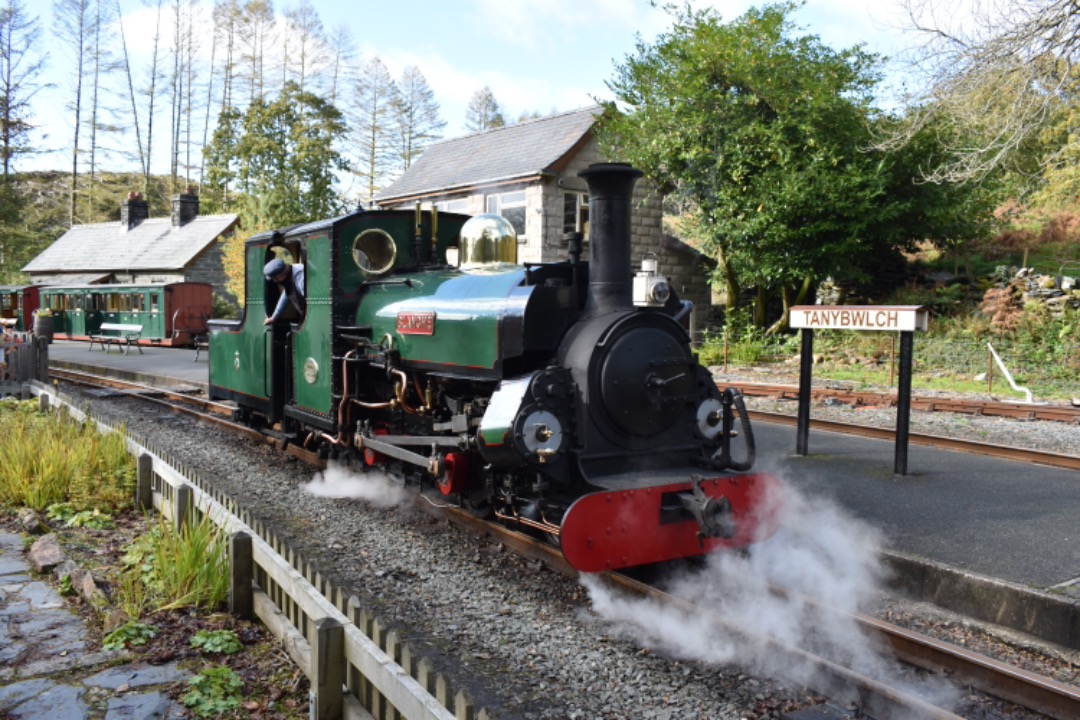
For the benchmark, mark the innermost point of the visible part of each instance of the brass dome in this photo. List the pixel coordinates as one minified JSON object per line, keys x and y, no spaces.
{"x":487,"y":240}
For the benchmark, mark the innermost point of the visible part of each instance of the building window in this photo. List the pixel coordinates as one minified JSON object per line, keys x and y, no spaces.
{"x":511,"y":206}
{"x":455,"y":206}
{"x":576,"y":212}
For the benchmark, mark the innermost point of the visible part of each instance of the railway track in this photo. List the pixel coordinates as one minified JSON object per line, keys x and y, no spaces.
{"x":1016,"y":685}
{"x":964,"y":667}
{"x":988,"y":408}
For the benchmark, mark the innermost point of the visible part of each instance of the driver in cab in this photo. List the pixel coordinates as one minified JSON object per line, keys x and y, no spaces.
{"x":290,"y":280}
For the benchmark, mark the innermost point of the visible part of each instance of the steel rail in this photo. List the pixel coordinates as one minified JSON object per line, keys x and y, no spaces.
{"x":1037,"y":457}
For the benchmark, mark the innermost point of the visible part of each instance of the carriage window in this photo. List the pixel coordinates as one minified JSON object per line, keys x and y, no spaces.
{"x":153,"y":303}
{"x":7,"y":302}
{"x":374,"y":251}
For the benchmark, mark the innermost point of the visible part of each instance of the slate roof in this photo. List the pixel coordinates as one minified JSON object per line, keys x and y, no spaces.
{"x":153,"y":244}
{"x":493,"y":156}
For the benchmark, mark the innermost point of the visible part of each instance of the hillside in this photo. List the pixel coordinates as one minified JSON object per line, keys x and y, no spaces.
{"x":38,"y":211}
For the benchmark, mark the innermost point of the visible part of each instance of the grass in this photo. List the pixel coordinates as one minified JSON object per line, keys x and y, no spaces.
{"x":1040,"y":350}
{"x":48,"y":459}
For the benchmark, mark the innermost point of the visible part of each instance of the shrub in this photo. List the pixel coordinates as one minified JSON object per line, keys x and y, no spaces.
{"x":181,"y":568}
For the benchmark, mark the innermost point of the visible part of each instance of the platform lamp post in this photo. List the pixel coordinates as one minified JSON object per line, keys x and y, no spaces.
{"x":905,"y":319}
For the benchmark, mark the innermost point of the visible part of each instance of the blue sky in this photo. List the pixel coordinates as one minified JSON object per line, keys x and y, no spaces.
{"x":536,"y":55}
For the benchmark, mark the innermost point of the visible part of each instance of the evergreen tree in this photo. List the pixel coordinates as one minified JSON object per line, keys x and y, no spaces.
{"x":280,"y":158}
{"x":483,"y":112}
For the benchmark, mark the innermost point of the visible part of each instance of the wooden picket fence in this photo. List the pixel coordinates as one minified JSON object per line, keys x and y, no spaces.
{"x":357,"y":667}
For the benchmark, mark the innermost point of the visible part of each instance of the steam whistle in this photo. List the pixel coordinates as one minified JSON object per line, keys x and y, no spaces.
{"x":418,"y":239}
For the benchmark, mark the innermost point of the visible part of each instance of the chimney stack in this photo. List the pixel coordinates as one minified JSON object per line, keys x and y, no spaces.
{"x":185,"y":207}
{"x":133,"y":211}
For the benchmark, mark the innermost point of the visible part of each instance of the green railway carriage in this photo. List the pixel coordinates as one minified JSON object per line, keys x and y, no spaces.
{"x":169,"y":313}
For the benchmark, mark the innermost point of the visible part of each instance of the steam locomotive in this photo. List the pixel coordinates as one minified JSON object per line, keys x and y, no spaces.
{"x":560,"y":397}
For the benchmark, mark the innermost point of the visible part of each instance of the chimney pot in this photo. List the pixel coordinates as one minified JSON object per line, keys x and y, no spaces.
{"x":185,"y":207}
{"x":133,"y":211}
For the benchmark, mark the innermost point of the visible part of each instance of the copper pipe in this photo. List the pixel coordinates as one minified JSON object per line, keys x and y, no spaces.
{"x":543,"y":526}
{"x":373,"y":406}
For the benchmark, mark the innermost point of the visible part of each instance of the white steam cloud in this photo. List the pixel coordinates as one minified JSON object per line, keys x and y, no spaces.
{"x":818,"y":553}
{"x":372,"y":487}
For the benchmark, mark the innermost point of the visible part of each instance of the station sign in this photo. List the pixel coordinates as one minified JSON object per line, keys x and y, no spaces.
{"x":894,"y":318}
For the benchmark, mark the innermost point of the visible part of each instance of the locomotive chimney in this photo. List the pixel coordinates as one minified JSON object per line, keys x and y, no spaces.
{"x":611,"y":188}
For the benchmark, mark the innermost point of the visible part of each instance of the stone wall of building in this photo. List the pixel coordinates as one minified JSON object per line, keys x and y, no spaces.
{"x":687,"y":271}
{"x":209,"y":267}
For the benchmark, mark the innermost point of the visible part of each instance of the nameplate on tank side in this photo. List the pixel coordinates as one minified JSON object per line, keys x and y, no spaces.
{"x":416,"y":323}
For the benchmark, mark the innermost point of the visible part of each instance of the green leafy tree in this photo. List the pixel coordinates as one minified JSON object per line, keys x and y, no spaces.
{"x":279,"y":157}
{"x":275,"y":165}
{"x":762,"y":132}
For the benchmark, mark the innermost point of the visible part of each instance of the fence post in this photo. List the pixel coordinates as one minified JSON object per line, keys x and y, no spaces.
{"x":144,"y":484}
{"x":40,"y":350}
{"x":182,"y":506}
{"x":328,"y":675}
{"x":241,"y":574}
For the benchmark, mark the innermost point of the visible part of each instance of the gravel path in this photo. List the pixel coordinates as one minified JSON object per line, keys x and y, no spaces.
{"x":524,"y":641}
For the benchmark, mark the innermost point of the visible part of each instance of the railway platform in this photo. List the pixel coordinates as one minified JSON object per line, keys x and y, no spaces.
{"x":158,"y":366}
{"x":994,"y":539}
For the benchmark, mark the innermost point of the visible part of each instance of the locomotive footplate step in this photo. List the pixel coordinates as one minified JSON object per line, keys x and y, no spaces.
{"x":622,"y":528}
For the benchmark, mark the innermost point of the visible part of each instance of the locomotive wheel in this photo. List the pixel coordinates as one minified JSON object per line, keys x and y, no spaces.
{"x":476,"y":505}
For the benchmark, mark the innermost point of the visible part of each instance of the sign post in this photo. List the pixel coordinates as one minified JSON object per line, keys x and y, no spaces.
{"x":905,"y":319}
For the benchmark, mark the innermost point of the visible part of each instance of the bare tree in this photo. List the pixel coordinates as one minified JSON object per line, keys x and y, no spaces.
{"x":151,"y":91}
{"x":20,"y":68}
{"x":308,"y":56}
{"x":72,"y":21}
{"x":342,"y":51}
{"x":254,"y":32}
{"x":994,"y":78}
{"x":131,"y":94}
{"x":226,"y":27}
{"x":102,"y":124}
{"x":373,"y":125}
{"x":417,"y":116}
{"x":483,"y":112}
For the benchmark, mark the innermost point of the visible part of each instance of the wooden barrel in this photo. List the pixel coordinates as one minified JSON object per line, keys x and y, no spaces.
{"x":43,"y":327}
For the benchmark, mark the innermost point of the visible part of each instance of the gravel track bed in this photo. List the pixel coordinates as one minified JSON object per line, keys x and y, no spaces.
{"x":519,"y":638}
